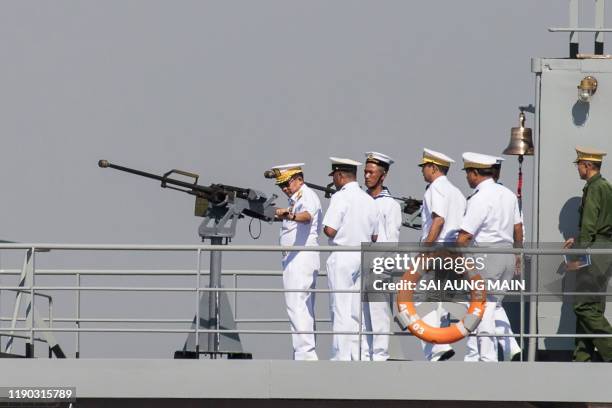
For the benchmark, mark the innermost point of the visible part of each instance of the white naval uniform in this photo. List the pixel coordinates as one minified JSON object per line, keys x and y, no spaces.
{"x":300,"y":270}
{"x":447,"y":201}
{"x":378,"y":314}
{"x":492,"y":211}
{"x":354,"y":216}
{"x":509,"y":345}
{"x":503,"y":328}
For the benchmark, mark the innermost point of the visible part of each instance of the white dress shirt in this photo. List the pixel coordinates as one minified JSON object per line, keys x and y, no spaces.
{"x":447,"y":201}
{"x":353,"y":214}
{"x":492,"y":211}
{"x":295,"y":233}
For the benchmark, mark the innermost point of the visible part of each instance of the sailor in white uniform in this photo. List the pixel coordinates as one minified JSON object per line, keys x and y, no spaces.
{"x":492,"y":219}
{"x":510,"y":347}
{"x":352,"y":218}
{"x":377,"y":313}
{"x":442,"y":213}
{"x":301,"y":227}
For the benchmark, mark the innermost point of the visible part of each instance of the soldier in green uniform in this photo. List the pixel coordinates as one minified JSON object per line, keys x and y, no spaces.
{"x":595,"y":232}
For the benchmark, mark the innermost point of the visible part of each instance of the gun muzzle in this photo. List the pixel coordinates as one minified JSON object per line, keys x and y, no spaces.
{"x":269,"y":174}
{"x":103,"y":163}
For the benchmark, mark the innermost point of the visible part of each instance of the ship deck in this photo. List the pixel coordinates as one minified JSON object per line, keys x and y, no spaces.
{"x":289,"y":383}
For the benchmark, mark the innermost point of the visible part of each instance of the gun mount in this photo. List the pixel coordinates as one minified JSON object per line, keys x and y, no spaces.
{"x":411,"y":212}
{"x":221,"y":206}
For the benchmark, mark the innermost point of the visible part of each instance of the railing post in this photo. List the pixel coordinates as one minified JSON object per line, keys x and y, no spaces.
{"x":361,"y":309}
{"x":574,"y":46}
{"x":23,"y":282}
{"x":526,"y":260}
{"x":30,"y":346}
{"x":50,"y":300}
{"x":77,"y":353}
{"x":213,"y":297}
{"x":197,"y":303}
{"x":599,"y":23}
{"x":533,"y":311}
{"x":235,"y":298}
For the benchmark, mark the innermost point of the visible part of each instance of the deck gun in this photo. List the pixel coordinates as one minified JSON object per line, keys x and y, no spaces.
{"x":411,"y":207}
{"x":220,"y":205}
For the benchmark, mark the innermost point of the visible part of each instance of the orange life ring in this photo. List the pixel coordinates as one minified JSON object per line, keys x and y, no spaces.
{"x":408,"y":317}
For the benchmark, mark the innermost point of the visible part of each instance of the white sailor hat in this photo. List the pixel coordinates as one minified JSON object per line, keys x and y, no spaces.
{"x":478,"y":161}
{"x":338,"y":163}
{"x":379,"y":158}
{"x":589,"y":154}
{"x":431,"y":156}
{"x":284,"y":172}
{"x":498,"y":161}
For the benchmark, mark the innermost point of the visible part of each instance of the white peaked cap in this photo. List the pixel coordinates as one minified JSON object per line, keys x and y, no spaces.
{"x":431,"y":156}
{"x":338,"y":163}
{"x":499,"y":160}
{"x":288,"y":166}
{"x":478,"y":160}
{"x":284,"y":172}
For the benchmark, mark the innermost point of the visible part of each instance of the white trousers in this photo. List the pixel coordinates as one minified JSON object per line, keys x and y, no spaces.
{"x":509,"y":345}
{"x":435,"y":318}
{"x":377,"y":318}
{"x":301,"y":273}
{"x":483,"y":348}
{"x":344,"y":273}
{"x":497,"y":267}
{"x":439,"y":317}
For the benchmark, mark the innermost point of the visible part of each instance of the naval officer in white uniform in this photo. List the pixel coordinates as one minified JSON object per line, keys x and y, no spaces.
{"x":301,"y":227}
{"x":510,"y":347}
{"x":352,"y":218}
{"x":377,"y":314}
{"x":443,"y":209}
{"x":492,"y":219}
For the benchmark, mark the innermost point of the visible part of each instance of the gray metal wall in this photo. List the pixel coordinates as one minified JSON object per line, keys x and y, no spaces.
{"x":563,"y":124}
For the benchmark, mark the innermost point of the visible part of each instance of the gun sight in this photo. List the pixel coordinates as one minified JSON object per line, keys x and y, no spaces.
{"x":269,"y":174}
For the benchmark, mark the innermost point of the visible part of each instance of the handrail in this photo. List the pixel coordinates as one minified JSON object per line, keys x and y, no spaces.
{"x":148,"y":272}
{"x":234,"y":273}
{"x":322,"y":248}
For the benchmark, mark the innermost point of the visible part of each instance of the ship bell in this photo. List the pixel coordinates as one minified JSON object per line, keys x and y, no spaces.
{"x":521,"y":141}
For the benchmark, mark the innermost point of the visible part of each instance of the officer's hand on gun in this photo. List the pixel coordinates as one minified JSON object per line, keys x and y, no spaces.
{"x":283,"y":213}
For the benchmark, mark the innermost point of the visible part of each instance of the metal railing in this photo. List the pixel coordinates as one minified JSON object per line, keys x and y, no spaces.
{"x":32,"y":290}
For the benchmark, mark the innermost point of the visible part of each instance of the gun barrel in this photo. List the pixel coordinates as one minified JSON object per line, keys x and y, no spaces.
{"x":409,"y":200}
{"x":227,"y":201}
{"x":195,"y":188}
{"x":327,"y":190}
